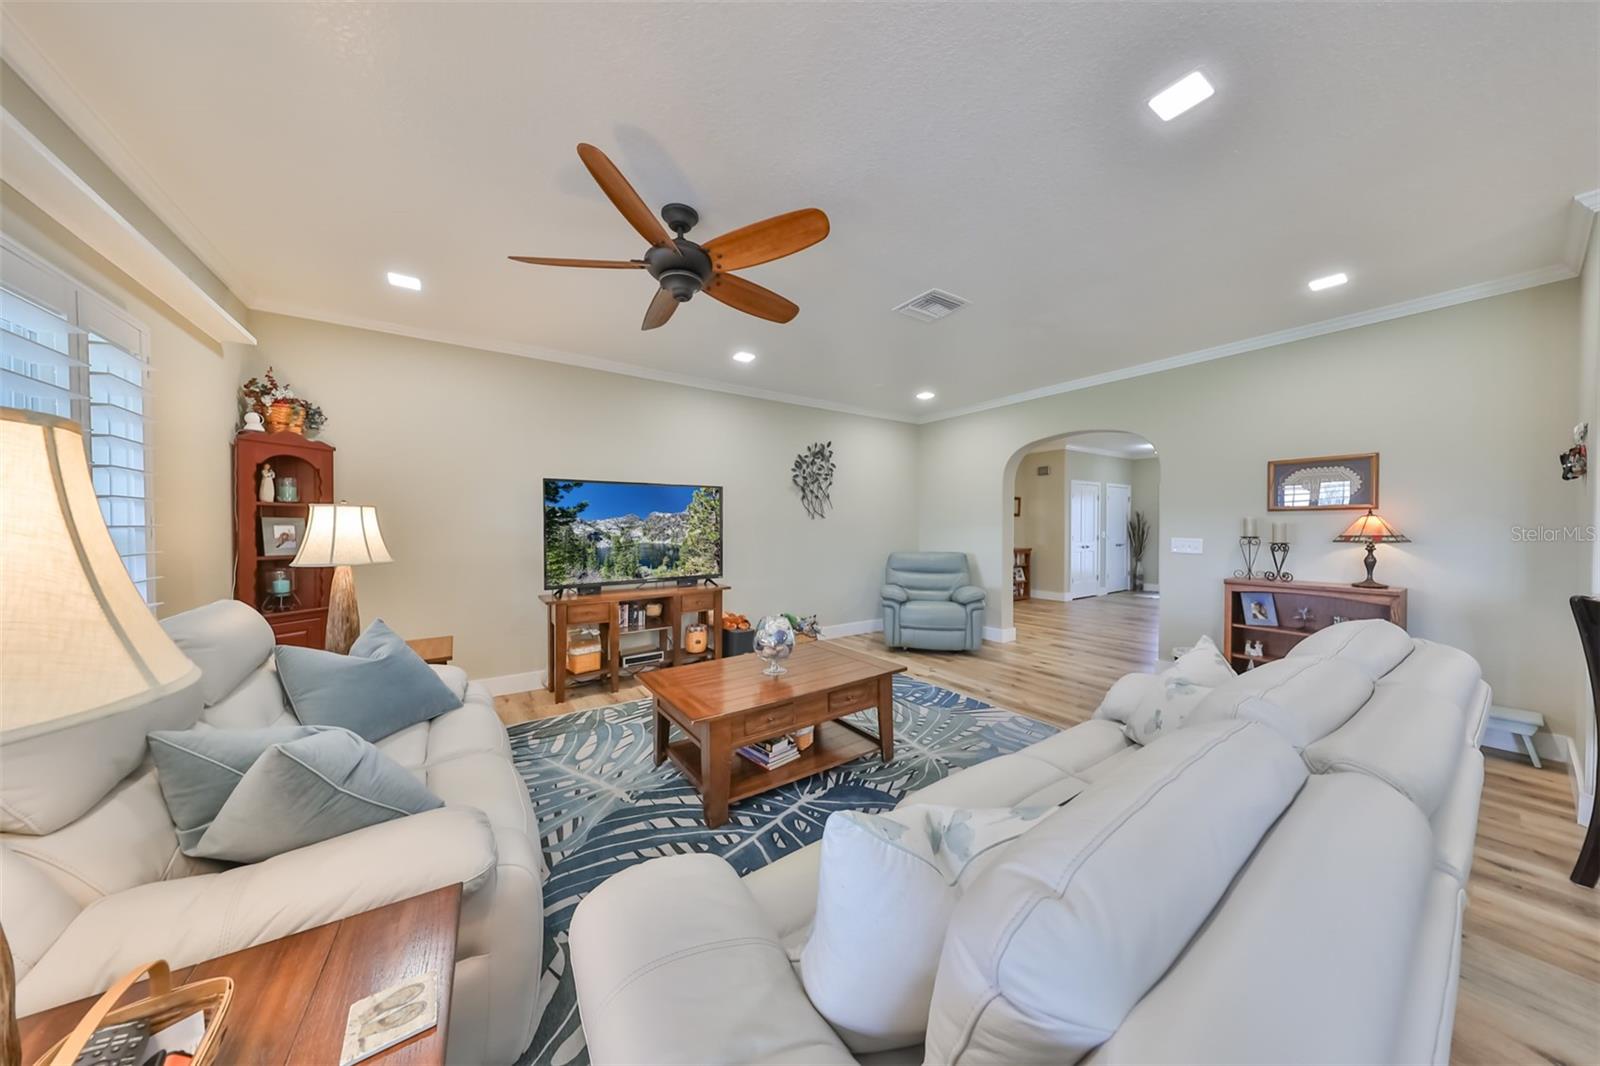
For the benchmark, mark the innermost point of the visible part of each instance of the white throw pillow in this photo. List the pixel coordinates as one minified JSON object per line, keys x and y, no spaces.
{"x":1165,"y":707}
{"x":886,"y":889}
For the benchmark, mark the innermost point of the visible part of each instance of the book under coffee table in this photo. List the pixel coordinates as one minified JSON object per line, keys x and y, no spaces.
{"x":722,"y":704}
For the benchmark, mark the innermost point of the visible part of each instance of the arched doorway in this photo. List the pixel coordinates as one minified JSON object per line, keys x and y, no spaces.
{"x":1084,"y":550}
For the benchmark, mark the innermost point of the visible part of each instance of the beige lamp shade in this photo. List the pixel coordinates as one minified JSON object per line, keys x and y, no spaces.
{"x":77,"y":640}
{"x":341,"y":534}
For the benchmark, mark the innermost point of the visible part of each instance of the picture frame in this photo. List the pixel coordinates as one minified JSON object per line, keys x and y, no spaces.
{"x":1258,"y":609}
{"x":1323,"y":483}
{"x":1016,"y":507}
{"x":281,"y":536}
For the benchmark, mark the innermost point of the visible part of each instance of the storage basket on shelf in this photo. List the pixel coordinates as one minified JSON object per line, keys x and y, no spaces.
{"x":164,"y":1006}
{"x":583,"y":652}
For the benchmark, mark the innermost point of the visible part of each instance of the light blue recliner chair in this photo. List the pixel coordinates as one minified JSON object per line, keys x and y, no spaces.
{"x":929,"y":603}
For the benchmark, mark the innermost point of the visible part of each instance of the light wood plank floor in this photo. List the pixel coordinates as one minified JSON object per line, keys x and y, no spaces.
{"x":1530,"y":959}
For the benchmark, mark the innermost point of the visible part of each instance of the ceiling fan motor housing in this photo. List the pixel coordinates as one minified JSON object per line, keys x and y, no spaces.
{"x":682,"y":270}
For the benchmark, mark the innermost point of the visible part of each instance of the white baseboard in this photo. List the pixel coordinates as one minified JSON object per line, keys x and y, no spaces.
{"x":1582,"y":797}
{"x":1151,"y":588}
{"x":1552,"y":747}
{"x":1048,"y":594}
{"x":506,"y":684}
{"x":996,"y":635}
{"x":852,"y":629}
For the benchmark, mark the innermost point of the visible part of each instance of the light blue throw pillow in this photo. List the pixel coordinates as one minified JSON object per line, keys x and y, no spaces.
{"x":302,"y":791}
{"x":198,"y":770}
{"x":381,"y":687}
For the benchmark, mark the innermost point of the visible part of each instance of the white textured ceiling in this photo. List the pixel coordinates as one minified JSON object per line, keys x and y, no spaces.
{"x":1004,"y":153}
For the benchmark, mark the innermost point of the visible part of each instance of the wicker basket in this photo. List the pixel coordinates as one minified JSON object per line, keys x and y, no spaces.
{"x":164,"y":1006}
{"x":279,"y":416}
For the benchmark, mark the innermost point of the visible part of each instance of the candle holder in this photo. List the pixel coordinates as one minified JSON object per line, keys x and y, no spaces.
{"x":1249,"y":548}
{"x":1280,"y":555}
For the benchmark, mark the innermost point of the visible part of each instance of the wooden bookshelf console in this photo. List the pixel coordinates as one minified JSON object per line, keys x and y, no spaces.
{"x":1325,"y":602}
{"x":678,"y":608}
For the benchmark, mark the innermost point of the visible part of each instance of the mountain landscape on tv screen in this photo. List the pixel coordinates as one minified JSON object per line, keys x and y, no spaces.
{"x":592,"y":535}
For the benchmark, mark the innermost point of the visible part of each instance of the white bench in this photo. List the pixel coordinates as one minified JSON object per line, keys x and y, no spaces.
{"x":1519,"y":723}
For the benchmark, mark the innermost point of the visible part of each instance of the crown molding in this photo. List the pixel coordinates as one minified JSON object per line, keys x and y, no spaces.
{"x":552,"y":355}
{"x":1580,"y":221}
{"x":31,"y":64}
{"x":1466,"y":294}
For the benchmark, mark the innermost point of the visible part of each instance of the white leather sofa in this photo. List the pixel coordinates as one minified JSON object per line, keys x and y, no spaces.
{"x":1200,"y":931}
{"x":92,"y":881}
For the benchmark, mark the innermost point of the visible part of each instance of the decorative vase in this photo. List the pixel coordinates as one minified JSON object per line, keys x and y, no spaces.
{"x":252,"y":422}
{"x":1138,"y":575}
{"x":774,"y":643}
{"x":279,"y":415}
{"x":297,"y":420}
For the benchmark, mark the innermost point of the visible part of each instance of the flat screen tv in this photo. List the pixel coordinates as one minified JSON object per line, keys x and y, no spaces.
{"x":614,"y":532}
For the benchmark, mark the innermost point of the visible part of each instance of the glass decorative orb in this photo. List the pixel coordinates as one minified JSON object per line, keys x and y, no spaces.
{"x":774,"y":643}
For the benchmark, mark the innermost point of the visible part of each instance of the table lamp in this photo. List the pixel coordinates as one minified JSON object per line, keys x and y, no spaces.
{"x":77,"y":640}
{"x":1371,"y":529}
{"x":342,"y":535}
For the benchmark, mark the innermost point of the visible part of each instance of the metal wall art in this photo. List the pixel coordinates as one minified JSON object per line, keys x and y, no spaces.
{"x":813,"y":476}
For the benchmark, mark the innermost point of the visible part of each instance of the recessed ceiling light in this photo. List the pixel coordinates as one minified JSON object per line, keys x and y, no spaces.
{"x":1329,"y":282}
{"x":925,"y":394}
{"x":744,"y":357}
{"x":1180,"y":96}
{"x":405,"y":281}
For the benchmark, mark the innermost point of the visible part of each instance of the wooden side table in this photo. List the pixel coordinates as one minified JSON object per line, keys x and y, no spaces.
{"x":292,"y":996}
{"x":435,"y":650}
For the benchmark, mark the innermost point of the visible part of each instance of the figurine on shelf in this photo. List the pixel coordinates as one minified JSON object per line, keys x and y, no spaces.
{"x":267,"y":493}
{"x":1302,"y":618}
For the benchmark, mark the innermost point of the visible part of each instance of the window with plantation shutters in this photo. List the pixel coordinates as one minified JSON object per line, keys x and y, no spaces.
{"x":69,"y":352}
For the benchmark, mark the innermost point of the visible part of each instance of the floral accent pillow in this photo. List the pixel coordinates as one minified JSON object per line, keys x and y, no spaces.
{"x":887,"y":887}
{"x":1166,"y":706}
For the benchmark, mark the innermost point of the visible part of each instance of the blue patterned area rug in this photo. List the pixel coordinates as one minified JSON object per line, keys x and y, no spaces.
{"x":602,"y":807}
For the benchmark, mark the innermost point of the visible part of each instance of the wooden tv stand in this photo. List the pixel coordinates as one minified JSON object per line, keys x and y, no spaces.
{"x":680,"y":605}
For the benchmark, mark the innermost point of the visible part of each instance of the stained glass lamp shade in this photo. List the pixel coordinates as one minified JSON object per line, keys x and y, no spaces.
{"x":1371,"y":529}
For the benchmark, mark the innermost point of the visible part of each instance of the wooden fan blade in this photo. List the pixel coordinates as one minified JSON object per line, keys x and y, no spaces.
{"x":622,"y":196}
{"x":601,"y":264}
{"x":773,"y":238}
{"x":752,"y":299}
{"x":660,"y":309}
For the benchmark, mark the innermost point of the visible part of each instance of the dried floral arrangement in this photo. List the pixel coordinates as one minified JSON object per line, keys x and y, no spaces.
{"x":275,"y":401}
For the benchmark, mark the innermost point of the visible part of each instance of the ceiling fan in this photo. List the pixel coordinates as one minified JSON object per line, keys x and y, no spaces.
{"x":683,"y":267}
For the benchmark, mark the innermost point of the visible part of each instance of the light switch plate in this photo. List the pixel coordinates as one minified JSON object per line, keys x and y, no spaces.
{"x":1188,"y":546}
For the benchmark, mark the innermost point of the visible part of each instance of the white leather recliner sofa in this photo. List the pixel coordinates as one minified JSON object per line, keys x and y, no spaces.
{"x":92,"y":882}
{"x":1328,"y":931}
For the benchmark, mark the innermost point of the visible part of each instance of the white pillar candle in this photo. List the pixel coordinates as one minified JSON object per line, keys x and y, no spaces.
{"x":1249,"y":527}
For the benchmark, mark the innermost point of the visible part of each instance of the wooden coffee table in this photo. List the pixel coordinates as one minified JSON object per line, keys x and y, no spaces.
{"x":723,"y":704}
{"x":291,"y":996}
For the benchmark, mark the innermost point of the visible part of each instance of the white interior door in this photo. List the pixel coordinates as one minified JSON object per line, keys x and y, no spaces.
{"x":1088,"y":498}
{"x":1119,"y":504}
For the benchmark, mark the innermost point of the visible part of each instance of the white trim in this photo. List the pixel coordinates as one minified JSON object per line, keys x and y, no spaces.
{"x":1580,"y":220}
{"x":1151,"y":588}
{"x":508,"y":684}
{"x":852,"y":629}
{"x":551,"y":355}
{"x":35,"y":68}
{"x":1109,"y":453}
{"x":996,"y":635}
{"x":1480,"y":291}
{"x":34,"y":171}
{"x":1047,"y":594}
{"x":1582,"y":793}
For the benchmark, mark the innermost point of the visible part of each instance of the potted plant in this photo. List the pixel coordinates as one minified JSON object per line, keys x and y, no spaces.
{"x":1138,"y":539}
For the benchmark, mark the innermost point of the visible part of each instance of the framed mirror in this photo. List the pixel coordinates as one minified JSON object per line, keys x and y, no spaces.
{"x":1323,"y":483}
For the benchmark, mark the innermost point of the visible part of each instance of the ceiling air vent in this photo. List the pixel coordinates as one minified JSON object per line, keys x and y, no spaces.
{"x":931,"y":306}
